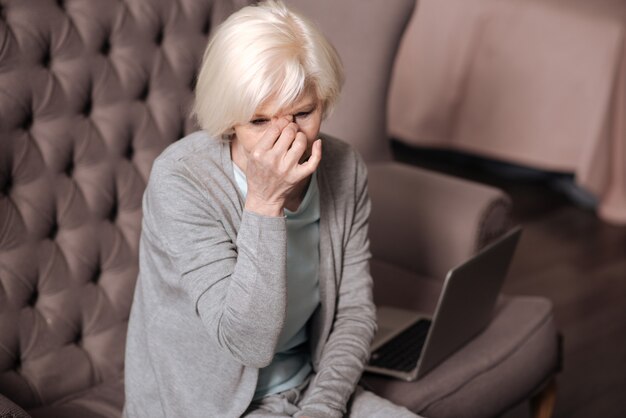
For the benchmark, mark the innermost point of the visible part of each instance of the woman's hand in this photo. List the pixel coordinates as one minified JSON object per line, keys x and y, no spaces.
{"x":274,"y":171}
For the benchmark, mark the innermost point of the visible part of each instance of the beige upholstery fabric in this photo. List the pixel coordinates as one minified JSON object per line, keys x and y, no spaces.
{"x":413,"y":202}
{"x":91,"y":91}
{"x":537,"y":83}
{"x":366,"y":35}
{"x":420,"y":228}
{"x":501,"y":367}
{"x":361,"y":116}
{"x":9,"y":409}
{"x":102,"y":401}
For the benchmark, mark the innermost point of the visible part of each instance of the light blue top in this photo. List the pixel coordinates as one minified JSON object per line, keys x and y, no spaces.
{"x":291,"y":363}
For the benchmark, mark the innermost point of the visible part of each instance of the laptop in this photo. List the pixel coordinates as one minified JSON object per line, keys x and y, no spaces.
{"x":409,"y":344}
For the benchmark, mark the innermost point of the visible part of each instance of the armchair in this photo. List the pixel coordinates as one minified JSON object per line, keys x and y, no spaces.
{"x":92,"y":91}
{"x":422,"y":224}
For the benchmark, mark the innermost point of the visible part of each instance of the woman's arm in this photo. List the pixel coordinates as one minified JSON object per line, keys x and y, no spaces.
{"x":347,"y":349}
{"x":238,"y":289}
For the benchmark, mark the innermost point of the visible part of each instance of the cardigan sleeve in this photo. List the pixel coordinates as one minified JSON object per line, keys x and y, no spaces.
{"x":238,"y":289}
{"x":347,"y":348}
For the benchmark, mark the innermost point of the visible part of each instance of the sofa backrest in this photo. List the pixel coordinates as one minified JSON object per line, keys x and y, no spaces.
{"x":91,"y":91}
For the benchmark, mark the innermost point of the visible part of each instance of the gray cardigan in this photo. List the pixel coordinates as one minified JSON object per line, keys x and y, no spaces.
{"x":210,"y":299}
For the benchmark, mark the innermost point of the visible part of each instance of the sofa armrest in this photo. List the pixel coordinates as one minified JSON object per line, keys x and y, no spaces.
{"x":8,"y":409}
{"x":428,"y":222}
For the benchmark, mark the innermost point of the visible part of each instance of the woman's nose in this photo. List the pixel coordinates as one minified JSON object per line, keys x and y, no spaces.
{"x":289,"y":118}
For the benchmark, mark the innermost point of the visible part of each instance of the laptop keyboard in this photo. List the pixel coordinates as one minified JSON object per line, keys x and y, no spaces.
{"x":402,"y":351}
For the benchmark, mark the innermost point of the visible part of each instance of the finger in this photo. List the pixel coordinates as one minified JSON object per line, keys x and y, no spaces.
{"x":272,"y":134}
{"x":286,"y":139}
{"x":297,"y":150}
{"x":309,"y":166}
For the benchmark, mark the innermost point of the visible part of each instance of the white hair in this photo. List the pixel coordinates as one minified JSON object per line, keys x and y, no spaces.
{"x":260,"y":53}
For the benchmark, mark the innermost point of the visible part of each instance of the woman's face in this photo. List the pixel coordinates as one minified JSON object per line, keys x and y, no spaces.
{"x":306,"y":113}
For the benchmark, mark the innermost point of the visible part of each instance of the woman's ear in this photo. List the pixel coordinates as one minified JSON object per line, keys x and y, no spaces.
{"x":228,"y":135}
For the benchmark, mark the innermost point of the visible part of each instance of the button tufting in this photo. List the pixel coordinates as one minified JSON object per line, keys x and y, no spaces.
{"x":33,"y":298}
{"x":113,"y":213}
{"x":87,"y":108}
{"x":69,"y":169}
{"x":78,"y":338}
{"x":106,"y":47}
{"x":61,"y":4}
{"x":28,"y":122}
{"x":18,"y":363}
{"x":53,"y":231}
{"x":45,"y":60}
{"x":206,"y":28}
{"x":6,"y":187}
{"x":130,"y":151}
{"x":143,"y":95}
{"x":95,"y":278}
{"x":158,"y":39}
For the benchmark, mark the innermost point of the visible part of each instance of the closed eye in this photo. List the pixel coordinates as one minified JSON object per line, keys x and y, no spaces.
{"x":259,"y":121}
{"x":303,"y":114}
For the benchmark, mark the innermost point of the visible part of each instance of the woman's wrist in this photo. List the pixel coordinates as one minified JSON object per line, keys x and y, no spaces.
{"x":261,"y":207}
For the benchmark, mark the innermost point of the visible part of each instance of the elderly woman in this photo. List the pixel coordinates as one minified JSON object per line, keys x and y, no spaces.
{"x":254,"y":296}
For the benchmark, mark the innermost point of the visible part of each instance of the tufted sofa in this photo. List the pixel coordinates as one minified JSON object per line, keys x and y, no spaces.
{"x":91,"y":91}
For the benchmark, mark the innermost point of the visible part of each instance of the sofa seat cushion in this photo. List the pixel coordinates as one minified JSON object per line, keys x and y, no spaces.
{"x":496,"y":370}
{"x":103,"y":401}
